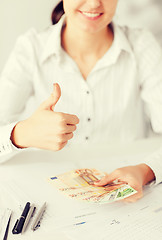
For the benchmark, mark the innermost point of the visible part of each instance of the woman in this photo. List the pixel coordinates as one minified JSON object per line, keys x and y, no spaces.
{"x":110,"y":79}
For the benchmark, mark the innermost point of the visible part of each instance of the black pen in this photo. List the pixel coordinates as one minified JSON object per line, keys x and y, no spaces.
{"x":7,"y":228}
{"x":20,"y":222}
{"x":28,"y":218}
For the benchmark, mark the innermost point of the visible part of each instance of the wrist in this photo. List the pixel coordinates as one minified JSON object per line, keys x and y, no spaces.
{"x":147,"y":173}
{"x":18,"y":135}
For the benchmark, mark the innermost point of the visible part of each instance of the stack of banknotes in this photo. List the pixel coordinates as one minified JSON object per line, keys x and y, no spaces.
{"x":79,"y":184}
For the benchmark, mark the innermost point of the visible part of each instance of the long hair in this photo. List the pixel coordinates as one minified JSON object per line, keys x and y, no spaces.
{"x":57,"y":13}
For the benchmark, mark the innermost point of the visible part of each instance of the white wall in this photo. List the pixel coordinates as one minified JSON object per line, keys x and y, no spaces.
{"x":141,"y":13}
{"x":16,"y":17}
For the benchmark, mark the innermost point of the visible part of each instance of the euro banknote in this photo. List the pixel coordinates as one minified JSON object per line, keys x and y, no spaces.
{"x":79,"y":184}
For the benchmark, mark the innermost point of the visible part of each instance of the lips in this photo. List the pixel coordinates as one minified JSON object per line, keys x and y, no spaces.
{"x":91,"y":15}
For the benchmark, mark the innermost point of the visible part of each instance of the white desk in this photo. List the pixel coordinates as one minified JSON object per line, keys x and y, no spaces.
{"x":24,"y":178}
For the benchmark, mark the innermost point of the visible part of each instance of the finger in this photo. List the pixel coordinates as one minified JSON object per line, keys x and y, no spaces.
{"x":70,"y":128}
{"x":50,"y":103}
{"x":62,"y":145}
{"x":68,"y":136}
{"x":71,"y":119}
{"x":64,"y":137}
{"x":105,"y":180}
{"x":56,"y":94}
{"x":58,"y":147}
{"x":134,"y":197}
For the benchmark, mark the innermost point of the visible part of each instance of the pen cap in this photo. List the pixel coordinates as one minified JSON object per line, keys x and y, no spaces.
{"x":26,"y":210}
{"x":14,"y":231}
{"x":20,"y":225}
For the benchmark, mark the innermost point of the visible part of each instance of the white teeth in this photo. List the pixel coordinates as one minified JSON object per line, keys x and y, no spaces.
{"x":92,"y":15}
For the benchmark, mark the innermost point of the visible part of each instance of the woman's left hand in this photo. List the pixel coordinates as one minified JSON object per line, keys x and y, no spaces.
{"x":135,"y":176}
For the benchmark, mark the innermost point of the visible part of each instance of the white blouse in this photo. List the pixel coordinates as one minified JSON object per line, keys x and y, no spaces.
{"x":120,"y":101}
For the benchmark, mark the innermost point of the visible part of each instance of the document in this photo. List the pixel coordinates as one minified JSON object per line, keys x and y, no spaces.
{"x":140,"y":220}
{"x":143,"y":225}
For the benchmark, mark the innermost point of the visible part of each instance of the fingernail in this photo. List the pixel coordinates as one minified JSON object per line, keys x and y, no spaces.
{"x":96,"y":182}
{"x":54,"y":86}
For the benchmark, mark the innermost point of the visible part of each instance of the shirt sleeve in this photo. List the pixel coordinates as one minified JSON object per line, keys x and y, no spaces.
{"x":154,"y":161}
{"x":150,"y":68}
{"x":15,"y":89}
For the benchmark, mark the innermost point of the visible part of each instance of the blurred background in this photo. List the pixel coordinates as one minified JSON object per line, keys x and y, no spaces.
{"x":17,"y":16}
{"x":141,"y":13}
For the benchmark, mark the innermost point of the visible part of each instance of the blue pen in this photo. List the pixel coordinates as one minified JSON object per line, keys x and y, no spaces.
{"x":76,"y":224}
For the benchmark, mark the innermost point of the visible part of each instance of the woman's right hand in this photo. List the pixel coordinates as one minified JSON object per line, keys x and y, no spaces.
{"x":45,"y":129}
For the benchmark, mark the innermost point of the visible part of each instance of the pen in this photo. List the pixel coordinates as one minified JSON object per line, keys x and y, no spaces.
{"x":36,"y":223}
{"x":20,"y":222}
{"x":29,"y":216}
{"x":77,"y":224}
{"x":7,"y":228}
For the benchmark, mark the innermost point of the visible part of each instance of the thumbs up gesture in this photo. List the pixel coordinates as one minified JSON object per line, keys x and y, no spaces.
{"x":50,"y":103}
{"x":46,"y":129}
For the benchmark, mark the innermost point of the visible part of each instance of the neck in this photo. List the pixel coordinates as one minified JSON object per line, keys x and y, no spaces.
{"x":82,"y":43}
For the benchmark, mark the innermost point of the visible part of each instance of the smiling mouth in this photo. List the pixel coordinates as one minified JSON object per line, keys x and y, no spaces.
{"x":91,"y":15}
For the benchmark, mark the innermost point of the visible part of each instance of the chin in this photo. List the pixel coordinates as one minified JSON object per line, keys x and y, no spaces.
{"x":91,"y":30}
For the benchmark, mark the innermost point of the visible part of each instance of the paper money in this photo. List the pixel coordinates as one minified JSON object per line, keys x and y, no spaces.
{"x":79,"y":184}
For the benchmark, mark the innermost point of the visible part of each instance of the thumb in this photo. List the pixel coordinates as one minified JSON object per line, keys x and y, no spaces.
{"x":105,"y":180}
{"x":50,"y":103}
